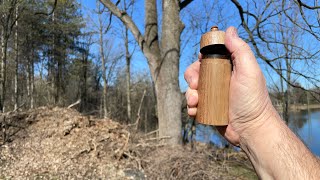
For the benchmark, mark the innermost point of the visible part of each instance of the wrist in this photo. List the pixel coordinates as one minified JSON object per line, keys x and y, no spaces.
{"x":276,"y":152}
{"x":259,"y":140}
{"x":258,"y":131}
{"x":261,"y":124}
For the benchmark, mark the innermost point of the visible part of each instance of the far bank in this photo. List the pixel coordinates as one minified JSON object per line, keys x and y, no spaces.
{"x":298,"y":107}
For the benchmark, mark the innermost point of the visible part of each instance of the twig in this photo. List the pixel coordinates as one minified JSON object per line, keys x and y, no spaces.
{"x":152,"y":132}
{"x":158,"y":138}
{"x":136,"y":124}
{"x":74,"y":104}
{"x":150,"y":145}
{"x":15,"y":110}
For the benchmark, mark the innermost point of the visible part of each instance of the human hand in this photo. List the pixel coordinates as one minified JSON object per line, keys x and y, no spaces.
{"x":249,"y":102}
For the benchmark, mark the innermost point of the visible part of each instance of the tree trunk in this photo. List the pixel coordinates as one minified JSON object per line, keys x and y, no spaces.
{"x":103,"y":65}
{"x":167,"y":82}
{"x":58,"y":80}
{"x":165,"y":68}
{"x":128,"y":76}
{"x":164,"y":64}
{"x":16,"y":97}
{"x":287,"y":94}
{"x":51,"y":66}
{"x":283,"y":102}
{"x":83,"y":83}
{"x":31,"y":74}
{"x":29,"y":79}
{"x":16,"y":93}
{"x":4,"y":44}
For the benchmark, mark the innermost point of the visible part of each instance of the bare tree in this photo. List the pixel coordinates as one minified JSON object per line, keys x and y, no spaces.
{"x":8,"y":20}
{"x":289,"y":38}
{"x":103,"y":61}
{"x":16,"y":96}
{"x":128,"y":6}
{"x":84,"y":49}
{"x":258,"y":20}
{"x":163,"y":58}
{"x":128,"y":58}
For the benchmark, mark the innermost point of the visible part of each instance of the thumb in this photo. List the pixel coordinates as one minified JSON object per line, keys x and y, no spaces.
{"x":241,"y":55}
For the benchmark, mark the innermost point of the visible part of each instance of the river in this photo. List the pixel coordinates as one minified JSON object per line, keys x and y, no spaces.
{"x":306,"y":125}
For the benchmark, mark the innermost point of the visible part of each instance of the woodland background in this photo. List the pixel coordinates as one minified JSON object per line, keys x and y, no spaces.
{"x":125,"y":59}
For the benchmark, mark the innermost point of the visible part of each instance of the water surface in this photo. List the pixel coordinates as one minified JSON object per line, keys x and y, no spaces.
{"x":305,"y":124}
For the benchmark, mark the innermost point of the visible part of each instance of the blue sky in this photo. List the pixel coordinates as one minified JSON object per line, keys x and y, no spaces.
{"x":195,"y":15}
{"x":138,"y":62}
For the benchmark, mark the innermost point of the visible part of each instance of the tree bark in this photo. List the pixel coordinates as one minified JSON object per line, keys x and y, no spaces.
{"x":103,"y":65}
{"x":4,"y":45}
{"x":51,"y":65}
{"x":128,"y":75}
{"x":31,"y":79}
{"x":151,"y":37}
{"x":163,"y":63}
{"x":288,"y":93}
{"x":16,"y":97}
{"x":30,"y":76}
{"x":167,"y":82}
{"x":283,"y":104}
{"x":83,"y":83}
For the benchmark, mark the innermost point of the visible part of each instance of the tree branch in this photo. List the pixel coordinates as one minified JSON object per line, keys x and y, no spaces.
{"x":259,"y":54}
{"x":52,"y":11}
{"x":128,"y":22}
{"x":306,"y":6}
{"x":184,"y":3}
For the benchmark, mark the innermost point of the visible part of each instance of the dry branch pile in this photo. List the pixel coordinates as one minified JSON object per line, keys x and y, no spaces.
{"x":57,"y":143}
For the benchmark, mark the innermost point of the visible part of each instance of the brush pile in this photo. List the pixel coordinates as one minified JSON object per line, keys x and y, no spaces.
{"x":60,"y":143}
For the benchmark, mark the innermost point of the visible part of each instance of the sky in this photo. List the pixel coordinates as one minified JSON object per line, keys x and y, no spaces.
{"x":189,"y":50}
{"x":116,"y":36}
{"x":198,"y":14}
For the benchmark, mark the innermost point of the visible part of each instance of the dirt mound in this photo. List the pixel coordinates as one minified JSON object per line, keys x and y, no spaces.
{"x":57,"y":143}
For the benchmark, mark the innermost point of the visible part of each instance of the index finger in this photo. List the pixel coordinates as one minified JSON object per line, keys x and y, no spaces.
{"x":192,"y":74}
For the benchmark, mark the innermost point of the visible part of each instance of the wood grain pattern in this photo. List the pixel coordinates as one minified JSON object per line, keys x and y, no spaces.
{"x":213,"y":89}
{"x":212,"y":37}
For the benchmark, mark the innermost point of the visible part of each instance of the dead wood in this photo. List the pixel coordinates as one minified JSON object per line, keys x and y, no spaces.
{"x":57,"y":143}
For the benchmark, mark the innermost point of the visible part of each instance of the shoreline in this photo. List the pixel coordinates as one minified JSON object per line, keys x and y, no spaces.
{"x":298,"y":107}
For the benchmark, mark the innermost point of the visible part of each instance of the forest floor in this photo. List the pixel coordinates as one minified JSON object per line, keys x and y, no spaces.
{"x":60,"y":143}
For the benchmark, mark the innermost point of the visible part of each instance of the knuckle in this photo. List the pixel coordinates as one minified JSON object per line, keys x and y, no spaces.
{"x":187,"y":93}
{"x":187,"y":74}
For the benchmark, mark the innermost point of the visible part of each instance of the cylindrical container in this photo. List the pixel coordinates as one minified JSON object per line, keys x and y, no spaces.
{"x":214,"y":80}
